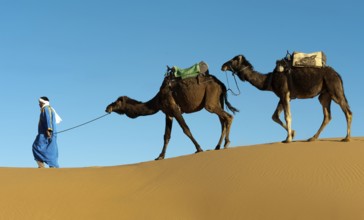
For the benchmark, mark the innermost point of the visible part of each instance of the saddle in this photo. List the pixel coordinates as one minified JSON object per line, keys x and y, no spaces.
{"x":298,"y":59}
{"x":198,"y":69}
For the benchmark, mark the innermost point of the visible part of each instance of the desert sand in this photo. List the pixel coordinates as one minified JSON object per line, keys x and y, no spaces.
{"x":301,"y":180}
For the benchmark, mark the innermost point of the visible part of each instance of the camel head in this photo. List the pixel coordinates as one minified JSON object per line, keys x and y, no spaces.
{"x":237,"y":65}
{"x":118,"y":106}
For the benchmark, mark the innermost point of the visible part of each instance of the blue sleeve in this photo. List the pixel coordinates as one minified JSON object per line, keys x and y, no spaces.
{"x":49,"y":118}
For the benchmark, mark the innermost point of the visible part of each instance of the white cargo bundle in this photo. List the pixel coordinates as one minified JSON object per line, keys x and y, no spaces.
{"x":316,"y":59}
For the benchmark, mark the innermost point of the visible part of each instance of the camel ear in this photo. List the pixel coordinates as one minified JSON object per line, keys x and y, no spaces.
{"x":240,"y":58}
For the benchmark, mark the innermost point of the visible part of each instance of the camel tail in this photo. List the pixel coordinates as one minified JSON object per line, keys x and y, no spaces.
{"x":223,"y":97}
{"x":230,"y":107}
{"x":226,"y":101}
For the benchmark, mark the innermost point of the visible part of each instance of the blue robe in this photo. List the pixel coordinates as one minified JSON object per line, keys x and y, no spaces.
{"x":45,"y":149}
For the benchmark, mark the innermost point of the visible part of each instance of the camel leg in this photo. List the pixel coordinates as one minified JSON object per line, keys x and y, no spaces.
{"x":225,"y":119}
{"x":288,"y":117}
{"x":348,"y":115}
{"x":187,"y":131}
{"x":216,"y":106}
{"x":167,"y":137}
{"x":276,"y":118}
{"x":325,"y":101}
{"x":223,"y":132}
{"x":228,"y":122}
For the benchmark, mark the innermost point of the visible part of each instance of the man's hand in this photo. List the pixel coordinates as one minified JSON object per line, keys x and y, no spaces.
{"x":49,"y":133}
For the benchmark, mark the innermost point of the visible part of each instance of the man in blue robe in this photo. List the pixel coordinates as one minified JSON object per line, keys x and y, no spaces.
{"x":45,"y":149}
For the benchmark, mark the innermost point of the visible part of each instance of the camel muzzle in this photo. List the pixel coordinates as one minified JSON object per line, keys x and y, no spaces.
{"x":108,"y":109}
{"x":224,"y":68}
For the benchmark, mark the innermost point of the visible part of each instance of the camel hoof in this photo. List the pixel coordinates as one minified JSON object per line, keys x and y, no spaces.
{"x":198,"y":151}
{"x":312,"y":139}
{"x":217,"y":147}
{"x":159,"y":158}
{"x":346,"y":140}
{"x":226,"y":145}
{"x":286,"y":141}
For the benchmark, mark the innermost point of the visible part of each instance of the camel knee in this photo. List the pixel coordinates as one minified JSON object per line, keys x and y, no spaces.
{"x":275,"y":118}
{"x":327,"y":117}
{"x":327,"y":120}
{"x":229,"y":119}
{"x":349,"y":115}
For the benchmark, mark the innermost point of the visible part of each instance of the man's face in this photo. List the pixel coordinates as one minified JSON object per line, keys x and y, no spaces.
{"x":40,"y":104}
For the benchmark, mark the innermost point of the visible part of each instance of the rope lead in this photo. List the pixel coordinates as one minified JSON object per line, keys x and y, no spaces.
{"x":236,"y":83}
{"x":82,"y":124}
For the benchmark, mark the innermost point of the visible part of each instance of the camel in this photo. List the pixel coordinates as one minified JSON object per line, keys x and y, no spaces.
{"x":177,"y":96}
{"x":296,"y":83}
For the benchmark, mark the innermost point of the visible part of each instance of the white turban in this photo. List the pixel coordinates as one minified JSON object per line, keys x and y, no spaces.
{"x":46,"y":103}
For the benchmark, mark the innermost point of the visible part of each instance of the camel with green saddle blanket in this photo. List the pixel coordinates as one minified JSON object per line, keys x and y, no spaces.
{"x":177,"y":96}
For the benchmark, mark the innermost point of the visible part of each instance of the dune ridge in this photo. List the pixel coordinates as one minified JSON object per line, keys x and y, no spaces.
{"x":301,"y":180}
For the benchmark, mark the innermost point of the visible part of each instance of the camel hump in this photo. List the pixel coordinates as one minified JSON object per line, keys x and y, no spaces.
{"x":316,"y":59}
{"x":193,"y":71}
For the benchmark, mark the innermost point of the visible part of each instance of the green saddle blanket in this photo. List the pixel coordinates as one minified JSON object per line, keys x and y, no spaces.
{"x":187,"y":72}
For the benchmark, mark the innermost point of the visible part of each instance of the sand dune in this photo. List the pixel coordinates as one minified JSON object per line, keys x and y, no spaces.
{"x":318,"y":180}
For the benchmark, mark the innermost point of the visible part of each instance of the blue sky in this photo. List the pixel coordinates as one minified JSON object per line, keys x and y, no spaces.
{"x":84,"y":54}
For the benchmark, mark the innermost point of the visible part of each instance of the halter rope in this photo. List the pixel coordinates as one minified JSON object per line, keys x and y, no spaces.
{"x":82,"y":124}
{"x":236,"y":83}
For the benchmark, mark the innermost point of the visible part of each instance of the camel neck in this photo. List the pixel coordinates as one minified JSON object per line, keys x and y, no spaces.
{"x":137,"y":109}
{"x":258,"y":80}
